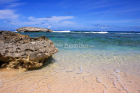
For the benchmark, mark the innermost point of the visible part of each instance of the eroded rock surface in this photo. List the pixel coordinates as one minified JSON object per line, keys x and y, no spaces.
{"x":33,"y":29}
{"x":22,"y":51}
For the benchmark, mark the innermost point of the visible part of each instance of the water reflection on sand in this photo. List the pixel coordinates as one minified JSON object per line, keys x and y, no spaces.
{"x":77,"y":72}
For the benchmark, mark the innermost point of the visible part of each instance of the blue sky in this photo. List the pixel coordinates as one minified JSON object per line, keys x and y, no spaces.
{"x":95,"y":15}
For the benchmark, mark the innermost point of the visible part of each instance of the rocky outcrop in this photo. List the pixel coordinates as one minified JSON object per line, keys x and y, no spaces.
{"x":22,"y":51}
{"x":33,"y":29}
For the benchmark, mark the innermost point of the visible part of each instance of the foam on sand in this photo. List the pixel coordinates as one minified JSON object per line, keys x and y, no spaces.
{"x":80,"y":71}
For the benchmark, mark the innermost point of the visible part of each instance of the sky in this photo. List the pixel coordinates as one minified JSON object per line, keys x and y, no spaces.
{"x":91,"y":15}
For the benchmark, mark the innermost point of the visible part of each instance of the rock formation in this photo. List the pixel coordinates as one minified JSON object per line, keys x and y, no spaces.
{"x":22,"y":51}
{"x":33,"y":29}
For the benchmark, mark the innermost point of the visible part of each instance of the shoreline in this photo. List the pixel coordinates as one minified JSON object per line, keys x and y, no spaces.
{"x":68,"y":76}
{"x":108,"y":67}
{"x":50,"y":81}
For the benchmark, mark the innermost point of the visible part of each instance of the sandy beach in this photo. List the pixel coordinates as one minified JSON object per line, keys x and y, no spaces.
{"x":74,"y":76}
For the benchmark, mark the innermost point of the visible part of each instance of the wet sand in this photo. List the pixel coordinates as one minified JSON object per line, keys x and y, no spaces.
{"x":77,"y":73}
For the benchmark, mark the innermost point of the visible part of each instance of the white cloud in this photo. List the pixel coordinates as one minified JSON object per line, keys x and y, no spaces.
{"x":121,"y":21}
{"x":66,"y":23}
{"x":104,"y":27}
{"x":8,"y":14}
{"x":127,"y":10}
{"x":15,"y":5}
{"x":7,"y":1}
{"x":10,"y":3}
{"x":54,"y":20}
{"x":117,"y":21}
{"x":48,"y":22}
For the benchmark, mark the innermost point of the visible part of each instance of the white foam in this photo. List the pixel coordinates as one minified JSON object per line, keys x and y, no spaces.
{"x":117,"y":71}
{"x":102,"y":32}
{"x":104,"y":91}
{"x":98,"y":80}
{"x":118,"y":78}
{"x":15,"y":31}
{"x":71,"y":70}
{"x":52,"y":74}
{"x":114,"y":83}
{"x":62,"y":31}
{"x":113,"y":73}
{"x":33,"y":89}
{"x":80,"y":71}
{"x":92,"y":32}
{"x":105,"y":86}
{"x":49,"y":87}
{"x":125,"y":88}
{"x":1,"y":84}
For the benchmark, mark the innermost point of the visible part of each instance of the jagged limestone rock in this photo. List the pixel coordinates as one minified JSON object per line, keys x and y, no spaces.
{"x":22,"y":51}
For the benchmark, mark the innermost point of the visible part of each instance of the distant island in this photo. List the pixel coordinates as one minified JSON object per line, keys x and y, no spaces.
{"x":33,"y":29}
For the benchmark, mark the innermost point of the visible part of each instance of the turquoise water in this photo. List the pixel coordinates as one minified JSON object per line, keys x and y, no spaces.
{"x":120,"y":50}
{"x":119,"y":41}
{"x":87,"y":62}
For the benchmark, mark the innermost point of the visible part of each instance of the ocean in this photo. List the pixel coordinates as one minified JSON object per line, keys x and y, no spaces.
{"x":87,"y":62}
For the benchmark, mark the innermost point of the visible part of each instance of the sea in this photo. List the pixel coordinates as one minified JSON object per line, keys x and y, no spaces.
{"x":87,"y":62}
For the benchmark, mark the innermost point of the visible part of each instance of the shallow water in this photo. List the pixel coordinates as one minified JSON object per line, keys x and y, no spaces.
{"x":85,"y":63}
